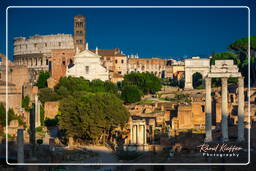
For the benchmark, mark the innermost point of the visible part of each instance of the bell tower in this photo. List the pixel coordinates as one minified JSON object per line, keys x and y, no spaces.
{"x":79,"y":32}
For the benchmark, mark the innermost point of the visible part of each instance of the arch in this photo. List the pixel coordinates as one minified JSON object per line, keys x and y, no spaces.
{"x":192,"y":66}
{"x":197,"y":80}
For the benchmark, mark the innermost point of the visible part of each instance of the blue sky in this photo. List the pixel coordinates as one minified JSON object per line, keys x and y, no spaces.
{"x":150,"y":32}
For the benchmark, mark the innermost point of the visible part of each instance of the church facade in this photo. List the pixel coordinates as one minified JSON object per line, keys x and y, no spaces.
{"x":88,"y":65}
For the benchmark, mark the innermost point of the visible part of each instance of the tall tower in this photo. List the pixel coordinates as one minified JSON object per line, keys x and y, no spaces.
{"x":79,"y":32}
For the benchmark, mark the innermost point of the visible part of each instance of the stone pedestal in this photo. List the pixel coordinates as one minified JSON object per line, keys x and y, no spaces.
{"x":241,"y":109}
{"x":208,"y":111}
{"x":224,"y":109}
{"x":20,"y":143}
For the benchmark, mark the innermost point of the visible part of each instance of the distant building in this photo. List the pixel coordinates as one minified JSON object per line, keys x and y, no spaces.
{"x":80,"y":32}
{"x":88,"y":65}
{"x":115,"y":62}
{"x":35,"y":52}
{"x":175,"y":69}
{"x":155,"y":66}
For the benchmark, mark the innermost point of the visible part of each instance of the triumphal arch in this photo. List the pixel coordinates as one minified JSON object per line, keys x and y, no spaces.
{"x":194,"y":65}
{"x":224,"y":69}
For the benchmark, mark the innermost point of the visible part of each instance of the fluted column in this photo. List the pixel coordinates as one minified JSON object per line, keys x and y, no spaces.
{"x":37,"y":111}
{"x":134,"y":132}
{"x":131,"y":136}
{"x":224,"y":108}
{"x":240,"y":109}
{"x":141,"y":136}
{"x":208,"y":111}
{"x":145,"y":134}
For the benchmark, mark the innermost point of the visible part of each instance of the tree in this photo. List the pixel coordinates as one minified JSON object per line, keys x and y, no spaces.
{"x":224,"y":56}
{"x":91,"y":116}
{"x":25,"y":103}
{"x":47,"y":94}
{"x":131,"y":94}
{"x":68,"y":85}
{"x":146,"y":82}
{"x":240,"y":47}
{"x":11,"y":116}
{"x":42,"y":79}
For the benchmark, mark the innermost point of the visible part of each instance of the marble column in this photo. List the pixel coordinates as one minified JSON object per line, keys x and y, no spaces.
{"x":145,"y":134}
{"x":141,"y":136}
{"x":37,"y":111}
{"x":224,"y":109}
{"x":137,"y":134}
{"x":20,"y":143}
{"x":240,"y":109}
{"x":134,"y":132}
{"x":131,"y":136}
{"x":208,"y":111}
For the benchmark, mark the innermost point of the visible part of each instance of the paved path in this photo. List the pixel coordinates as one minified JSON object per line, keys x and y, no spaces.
{"x":105,"y":155}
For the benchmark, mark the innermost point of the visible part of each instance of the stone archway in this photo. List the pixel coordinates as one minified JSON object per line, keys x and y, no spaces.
{"x":197,"y":80}
{"x":194,"y":65}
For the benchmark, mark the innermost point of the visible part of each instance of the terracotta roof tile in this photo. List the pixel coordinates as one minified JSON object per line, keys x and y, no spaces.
{"x":108,"y":52}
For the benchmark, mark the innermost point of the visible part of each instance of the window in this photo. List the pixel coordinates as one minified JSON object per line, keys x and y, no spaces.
{"x":35,"y":45}
{"x":59,"y":43}
{"x":87,"y":69}
{"x":122,"y":61}
{"x":116,"y":61}
{"x":45,"y":44}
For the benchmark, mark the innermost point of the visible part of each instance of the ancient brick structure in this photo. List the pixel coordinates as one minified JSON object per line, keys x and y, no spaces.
{"x":51,"y":109}
{"x":61,"y":60}
{"x":155,"y":66}
{"x":114,"y":61}
{"x":80,"y":32}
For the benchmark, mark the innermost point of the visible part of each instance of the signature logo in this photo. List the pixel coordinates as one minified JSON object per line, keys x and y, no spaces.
{"x":219,"y":150}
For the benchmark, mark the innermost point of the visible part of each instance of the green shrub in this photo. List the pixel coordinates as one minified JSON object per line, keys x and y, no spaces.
{"x":39,"y":129}
{"x":131,"y":94}
{"x":39,"y":141}
{"x":42,"y":79}
{"x":25,"y":103}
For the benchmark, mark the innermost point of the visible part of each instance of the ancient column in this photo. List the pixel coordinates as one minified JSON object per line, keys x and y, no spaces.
{"x":20,"y":143}
{"x":224,"y":108}
{"x":141,"y":137}
{"x":240,"y":109}
{"x":37,"y":111}
{"x":131,"y":136}
{"x":137,"y":134}
{"x":145,"y":134}
{"x":208,"y":111}
{"x":134,"y":131}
